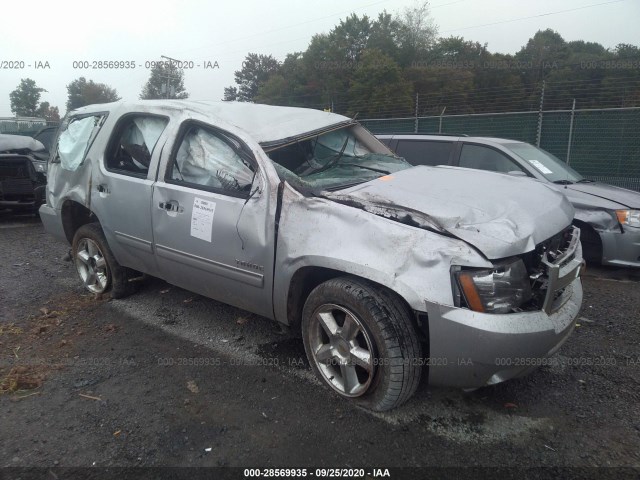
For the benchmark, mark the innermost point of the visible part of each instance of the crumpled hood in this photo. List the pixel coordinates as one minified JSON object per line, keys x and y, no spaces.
{"x":498,"y":214}
{"x":601,"y":191}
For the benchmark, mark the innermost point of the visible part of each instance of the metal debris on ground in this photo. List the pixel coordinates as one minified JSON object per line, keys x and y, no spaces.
{"x":90,"y":397}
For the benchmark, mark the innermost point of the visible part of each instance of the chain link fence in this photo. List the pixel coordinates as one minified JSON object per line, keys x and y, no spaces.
{"x":601,"y":144}
{"x":24,"y":126}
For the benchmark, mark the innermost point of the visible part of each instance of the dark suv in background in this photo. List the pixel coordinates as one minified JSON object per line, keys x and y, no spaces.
{"x":23,"y":173}
{"x":608,"y":216}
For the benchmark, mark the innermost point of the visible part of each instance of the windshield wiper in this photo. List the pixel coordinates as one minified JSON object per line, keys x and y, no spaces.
{"x":563,"y":182}
{"x":367,"y":168}
{"x":585,"y":180}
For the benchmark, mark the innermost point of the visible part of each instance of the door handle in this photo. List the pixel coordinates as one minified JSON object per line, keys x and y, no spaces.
{"x":172,"y":206}
{"x":103,"y":189}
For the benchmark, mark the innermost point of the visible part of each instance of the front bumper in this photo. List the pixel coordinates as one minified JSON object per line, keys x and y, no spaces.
{"x":17,"y":204}
{"x":52,"y":222}
{"x":621,"y":249}
{"x":470,"y":349}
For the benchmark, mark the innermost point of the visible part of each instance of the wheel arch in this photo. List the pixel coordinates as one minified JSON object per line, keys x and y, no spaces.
{"x":74,"y":215}
{"x":592,"y":248}
{"x":306,"y":278}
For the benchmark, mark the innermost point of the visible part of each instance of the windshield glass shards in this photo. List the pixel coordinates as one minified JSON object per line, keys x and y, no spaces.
{"x":333,"y":160}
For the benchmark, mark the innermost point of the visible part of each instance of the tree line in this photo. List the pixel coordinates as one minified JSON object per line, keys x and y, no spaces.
{"x":397,"y":65}
{"x":165,"y":81}
{"x":377,"y":68}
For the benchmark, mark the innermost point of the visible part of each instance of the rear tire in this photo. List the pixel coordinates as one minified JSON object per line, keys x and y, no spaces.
{"x":361,"y":342}
{"x":96,"y":265}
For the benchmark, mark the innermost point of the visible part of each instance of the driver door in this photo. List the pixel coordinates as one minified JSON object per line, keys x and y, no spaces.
{"x":213,"y":220}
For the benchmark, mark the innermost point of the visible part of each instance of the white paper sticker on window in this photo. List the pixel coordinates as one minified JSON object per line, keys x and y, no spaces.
{"x":202,"y":219}
{"x":540,"y":166}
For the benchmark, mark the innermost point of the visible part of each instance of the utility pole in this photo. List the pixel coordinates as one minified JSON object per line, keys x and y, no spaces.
{"x":169,"y":75}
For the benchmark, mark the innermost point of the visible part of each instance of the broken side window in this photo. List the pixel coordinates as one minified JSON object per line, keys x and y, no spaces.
{"x":132,"y":144}
{"x":75,"y":139}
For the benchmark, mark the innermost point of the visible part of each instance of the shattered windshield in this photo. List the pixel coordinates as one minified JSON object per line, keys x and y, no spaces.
{"x":554,"y":169}
{"x":334,"y":160}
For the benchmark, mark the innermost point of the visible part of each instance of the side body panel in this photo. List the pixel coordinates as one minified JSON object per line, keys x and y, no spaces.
{"x":234,"y":264}
{"x":413,"y":262}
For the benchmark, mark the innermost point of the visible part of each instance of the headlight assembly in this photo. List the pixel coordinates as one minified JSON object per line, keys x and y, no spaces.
{"x":497,"y":290}
{"x":629,"y":217}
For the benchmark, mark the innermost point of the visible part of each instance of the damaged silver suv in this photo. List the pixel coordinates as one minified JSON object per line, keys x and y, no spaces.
{"x":390,"y":271}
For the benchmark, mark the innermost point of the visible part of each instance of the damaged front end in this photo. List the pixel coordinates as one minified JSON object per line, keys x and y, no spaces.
{"x":23,"y":170}
{"x":21,"y":186}
{"x":536,"y":280}
{"x":492,"y":276}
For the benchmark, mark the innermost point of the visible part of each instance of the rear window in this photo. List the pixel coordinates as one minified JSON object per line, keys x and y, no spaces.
{"x":132,"y":144}
{"x":421,"y":152}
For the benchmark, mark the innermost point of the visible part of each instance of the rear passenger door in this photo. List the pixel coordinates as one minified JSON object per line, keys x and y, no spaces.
{"x":425,"y":152}
{"x":122,"y":188}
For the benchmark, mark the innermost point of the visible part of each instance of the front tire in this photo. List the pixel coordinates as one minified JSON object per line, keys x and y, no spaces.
{"x":96,"y":265}
{"x":361,"y":342}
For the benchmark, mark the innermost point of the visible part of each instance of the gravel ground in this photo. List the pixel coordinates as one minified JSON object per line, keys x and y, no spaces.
{"x":97,"y":382}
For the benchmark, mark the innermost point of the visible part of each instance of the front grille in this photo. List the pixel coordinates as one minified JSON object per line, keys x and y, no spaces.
{"x":554,"y":247}
{"x":557,"y":245}
{"x":556,"y":253}
{"x":11,"y":170}
{"x":19,"y":186}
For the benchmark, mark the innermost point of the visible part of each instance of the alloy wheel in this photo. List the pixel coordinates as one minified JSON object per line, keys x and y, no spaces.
{"x":342,"y":349}
{"x":92,"y":266}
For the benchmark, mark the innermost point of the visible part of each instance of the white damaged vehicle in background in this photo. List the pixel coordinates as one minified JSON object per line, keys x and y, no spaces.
{"x":302,"y":216}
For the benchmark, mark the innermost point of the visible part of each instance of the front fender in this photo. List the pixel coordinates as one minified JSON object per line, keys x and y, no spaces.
{"x":413,"y":262}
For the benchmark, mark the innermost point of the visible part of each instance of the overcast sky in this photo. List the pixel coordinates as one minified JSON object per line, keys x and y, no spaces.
{"x":66,"y":31}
